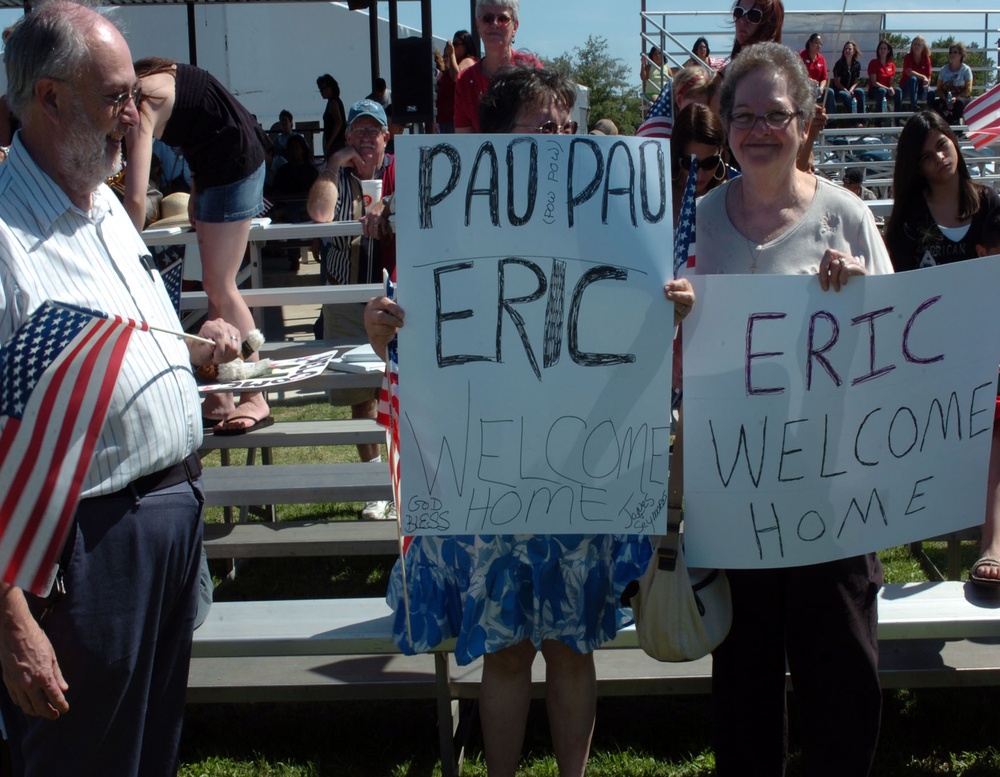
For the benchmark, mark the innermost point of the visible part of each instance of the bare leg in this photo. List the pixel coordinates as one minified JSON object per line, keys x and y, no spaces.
{"x":222,"y":247}
{"x":571,"y":700}
{"x":991,"y":527}
{"x":369,"y":409}
{"x":503,"y":706}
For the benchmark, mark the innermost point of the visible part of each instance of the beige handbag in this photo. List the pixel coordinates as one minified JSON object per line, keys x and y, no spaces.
{"x":680,"y":614}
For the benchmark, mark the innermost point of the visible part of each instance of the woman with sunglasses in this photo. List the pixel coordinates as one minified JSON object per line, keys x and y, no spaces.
{"x":756,"y":21}
{"x":881,"y":72}
{"x":954,"y":86}
{"x":509,"y":597}
{"x":697,"y":133}
{"x":818,"y":620}
{"x":187,"y":107}
{"x":847,"y":81}
{"x":496,"y":21}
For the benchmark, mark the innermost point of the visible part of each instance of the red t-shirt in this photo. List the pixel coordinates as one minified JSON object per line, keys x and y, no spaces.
{"x":472,"y":85}
{"x":816,"y":67}
{"x":924,"y":68}
{"x":881,"y":74}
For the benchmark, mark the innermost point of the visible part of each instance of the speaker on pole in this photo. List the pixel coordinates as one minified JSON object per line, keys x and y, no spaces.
{"x":413,"y":71}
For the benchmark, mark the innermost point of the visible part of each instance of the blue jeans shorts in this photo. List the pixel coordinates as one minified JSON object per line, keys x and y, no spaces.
{"x":237,"y":201}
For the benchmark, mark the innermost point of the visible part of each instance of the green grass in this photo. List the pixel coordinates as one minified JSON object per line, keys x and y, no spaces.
{"x":924,"y":732}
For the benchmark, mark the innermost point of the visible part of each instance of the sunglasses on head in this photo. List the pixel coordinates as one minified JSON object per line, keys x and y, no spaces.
{"x":754,"y":15}
{"x":500,"y":18}
{"x":708,"y":163}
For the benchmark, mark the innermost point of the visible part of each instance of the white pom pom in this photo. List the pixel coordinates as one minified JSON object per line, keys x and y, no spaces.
{"x":255,"y":339}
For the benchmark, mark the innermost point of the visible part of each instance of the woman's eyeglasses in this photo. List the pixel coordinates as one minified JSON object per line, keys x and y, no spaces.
{"x":776,"y":120}
{"x":708,"y":163}
{"x":754,"y":15}
{"x":551,"y":128}
{"x":499,"y":18}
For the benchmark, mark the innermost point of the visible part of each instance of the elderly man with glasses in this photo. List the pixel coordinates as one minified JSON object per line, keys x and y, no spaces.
{"x":343,"y":193}
{"x":95,"y":672}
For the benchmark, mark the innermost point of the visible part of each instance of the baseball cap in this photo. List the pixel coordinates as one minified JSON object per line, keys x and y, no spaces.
{"x":367,"y":108}
{"x":604,"y":127}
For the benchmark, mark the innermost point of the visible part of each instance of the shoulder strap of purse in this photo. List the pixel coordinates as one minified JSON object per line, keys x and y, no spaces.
{"x":670,"y":544}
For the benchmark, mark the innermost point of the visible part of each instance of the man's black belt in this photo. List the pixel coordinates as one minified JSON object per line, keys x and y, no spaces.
{"x":183,"y":472}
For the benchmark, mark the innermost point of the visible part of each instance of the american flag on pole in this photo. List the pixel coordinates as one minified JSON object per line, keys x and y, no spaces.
{"x":684,"y":237}
{"x":173,"y":280}
{"x":57,"y":375}
{"x":659,"y":121}
{"x":982,"y":116}
{"x":388,"y":409}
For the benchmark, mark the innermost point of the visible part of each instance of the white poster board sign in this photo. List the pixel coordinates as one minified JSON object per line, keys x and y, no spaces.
{"x":534,"y":364}
{"x":823,"y":425}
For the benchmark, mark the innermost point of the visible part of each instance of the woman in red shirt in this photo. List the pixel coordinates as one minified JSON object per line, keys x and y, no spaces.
{"x":497,"y":22}
{"x":881,"y":72}
{"x":815,"y":64}
{"x":916,"y":75}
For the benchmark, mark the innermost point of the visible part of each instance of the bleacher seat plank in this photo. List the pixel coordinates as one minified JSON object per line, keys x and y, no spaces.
{"x":293,"y":434}
{"x":296,"y":484}
{"x":311,"y":678}
{"x":268,"y":539}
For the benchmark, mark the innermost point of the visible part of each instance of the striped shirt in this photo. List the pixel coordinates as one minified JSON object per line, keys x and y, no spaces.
{"x":50,"y":249}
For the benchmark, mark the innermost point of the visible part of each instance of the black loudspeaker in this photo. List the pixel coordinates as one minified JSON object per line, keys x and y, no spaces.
{"x":413,"y":71}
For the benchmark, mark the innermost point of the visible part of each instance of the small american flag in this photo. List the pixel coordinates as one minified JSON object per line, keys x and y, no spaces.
{"x":388,"y":408}
{"x":982,"y":116}
{"x":684,"y":237}
{"x":173,"y":280}
{"x":57,"y":375}
{"x":659,"y":121}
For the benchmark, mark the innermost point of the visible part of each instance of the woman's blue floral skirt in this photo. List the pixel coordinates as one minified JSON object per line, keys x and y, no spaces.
{"x":493,"y":592}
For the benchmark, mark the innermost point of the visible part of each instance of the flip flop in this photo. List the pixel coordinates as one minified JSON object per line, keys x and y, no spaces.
{"x":208,"y":423}
{"x":228,"y":431}
{"x":978,"y":579}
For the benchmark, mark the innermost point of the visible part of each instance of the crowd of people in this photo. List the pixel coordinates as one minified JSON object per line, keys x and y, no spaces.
{"x":744,"y":124}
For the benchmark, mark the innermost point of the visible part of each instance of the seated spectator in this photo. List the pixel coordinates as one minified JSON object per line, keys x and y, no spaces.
{"x":292,"y":182}
{"x":604,"y":127}
{"x":854,"y":179}
{"x":916,"y":75}
{"x":337,"y":196}
{"x":281,"y":131}
{"x":881,"y":72}
{"x":815,"y":64}
{"x":847,"y":82}
{"x":701,"y":52}
{"x":954,"y":86}
{"x":653,"y":74}
{"x":380,"y":93}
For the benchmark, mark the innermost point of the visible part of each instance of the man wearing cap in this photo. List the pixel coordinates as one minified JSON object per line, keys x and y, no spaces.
{"x":337,"y":196}
{"x":95,"y":675}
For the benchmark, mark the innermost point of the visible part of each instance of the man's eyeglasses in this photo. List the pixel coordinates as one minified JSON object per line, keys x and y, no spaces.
{"x":367,"y":132}
{"x":500,"y":18}
{"x":708,"y":163}
{"x":754,"y":15}
{"x":119,"y":101}
{"x":776,"y":120}
{"x":551,"y":128}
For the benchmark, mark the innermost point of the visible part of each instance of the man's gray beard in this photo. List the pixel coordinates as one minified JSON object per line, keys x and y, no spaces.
{"x":84,"y":155}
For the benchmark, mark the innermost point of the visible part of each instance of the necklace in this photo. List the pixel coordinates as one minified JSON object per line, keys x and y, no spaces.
{"x":787,"y":217}
{"x":754,"y":252}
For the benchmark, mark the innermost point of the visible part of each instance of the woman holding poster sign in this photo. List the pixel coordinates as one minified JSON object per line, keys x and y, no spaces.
{"x":509,"y":597}
{"x":820,"y":618}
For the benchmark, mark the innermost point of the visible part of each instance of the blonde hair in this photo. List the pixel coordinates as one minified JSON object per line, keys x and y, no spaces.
{"x":925,"y":51}
{"x":691,"y":82}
